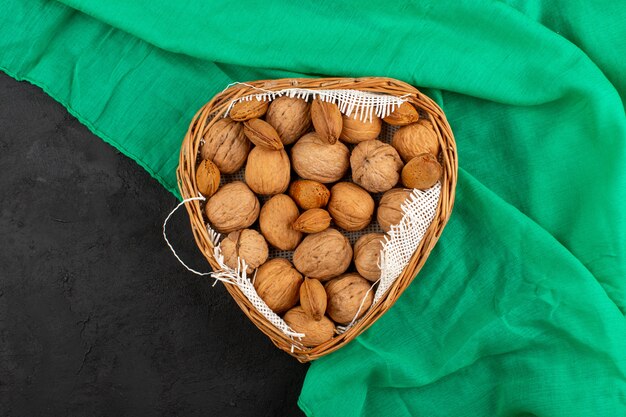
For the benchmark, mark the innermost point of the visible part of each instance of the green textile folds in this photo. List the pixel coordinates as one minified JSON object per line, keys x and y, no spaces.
{"x":519,"y":310}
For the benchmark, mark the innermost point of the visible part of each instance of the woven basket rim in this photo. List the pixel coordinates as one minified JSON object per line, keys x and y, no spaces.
{"x":216,"y":107}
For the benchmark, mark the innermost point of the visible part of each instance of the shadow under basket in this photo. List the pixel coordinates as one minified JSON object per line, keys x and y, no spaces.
{"x":206,"y":240}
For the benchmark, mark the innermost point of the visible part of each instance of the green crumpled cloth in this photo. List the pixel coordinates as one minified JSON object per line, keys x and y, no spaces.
{"x":519,"y":310}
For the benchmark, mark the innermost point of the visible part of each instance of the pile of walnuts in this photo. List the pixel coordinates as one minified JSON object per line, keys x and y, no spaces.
{"x":296,"y":155}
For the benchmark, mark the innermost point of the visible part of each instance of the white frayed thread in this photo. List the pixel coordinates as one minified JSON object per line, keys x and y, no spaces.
{"x":355,"y":103}
{"x":200,"y":198}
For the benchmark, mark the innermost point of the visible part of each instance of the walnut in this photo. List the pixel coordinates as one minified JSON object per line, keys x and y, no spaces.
{"x":367,"y":255}
{"x":276,"y":220}
{"x":389,"y":208}
{"x":315,"y":159}
{"x":226,"y":145}
{"x":291,"y":117}
{"x":323,"y":255}
{"x":403,"y":115}
{"x":246,"y":244}
{"x":421,"y":172}
{"x":347,"y":296}
{"x":262,"y":133}
{"x":207,"y":178}
{"x":350,"y":206}
{"x":313,"y":298}
{"x":326,"y":119}
{"x":316,"y":331}
{"x":232,"y":207}
{"x":415,"y":139}
{"x":312,"y":221}
{"x":355,"y":131}
{"x":248,"y":109}
{"x":268,"y":171}
{"x":309,"y":194}
{"x":375,"y":165}
{"x":278,"y":284}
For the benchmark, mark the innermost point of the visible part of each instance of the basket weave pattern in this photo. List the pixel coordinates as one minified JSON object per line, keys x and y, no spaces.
{"x":216,"y":108}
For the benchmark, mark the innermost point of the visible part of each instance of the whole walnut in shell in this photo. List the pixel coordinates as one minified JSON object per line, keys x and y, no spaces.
{"x":415,"y":139}
{"x":367,"y":255}
{"x":313,"y":298}
{"x":309,"y":194}
{"x":350,"y":206}
{"x":207,"y":178}
{"x":390,"y":207}
{"x":278,"y":284}
{"x":403,"y":115}
{"x":276,"y":220}
{"x":323,"y":255}
{"x":354,"y":130}
{"x":291,"y":117}
{"x":375,"y":165}
{"x":268,"y":171}
{"x":315,"y":332}
{"x":315,"y":159}
{"x":246,"y":244}
{"x":421,"y":172}
{"x":226,"y":145}
{"x":232,"y":207}
{"x":347,"y":296}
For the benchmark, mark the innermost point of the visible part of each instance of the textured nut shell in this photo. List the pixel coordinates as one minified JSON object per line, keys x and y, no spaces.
{"x":345,"y":295}
{"x":278,"y":284}
{"x":291,"y":117}
{"x":389,"y":208}
{"x":316,"y":332}
{"x":226,"y":145}
{"x":233,"y":207}
{"x":309,"y":194}
{"x":323,"y":255}
{"x":421,"y":172}
{"x":326,"y":119}
{"x":277,"y":216}
{"x":312,"y":221}
{"x":403,"y":115}
{"x":207,"y":178}
{"x":367,"y":254}
{"x":262,"y":133}
{"x":350,"y":206}
{"x":248,"y":109}
{"x":268,"y":171}
{"x":415,"y":139}
{"x":246,"y":244}
{"x":313,"y":298}
{"x":315,"y":159}
{"x":375,"y":165}
{"x":355,"y":131}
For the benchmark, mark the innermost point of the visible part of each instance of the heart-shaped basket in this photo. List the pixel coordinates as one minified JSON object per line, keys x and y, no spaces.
{"x":382,"y":96}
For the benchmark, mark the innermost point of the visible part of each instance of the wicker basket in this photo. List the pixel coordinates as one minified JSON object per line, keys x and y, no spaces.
{"x":186,"y":182}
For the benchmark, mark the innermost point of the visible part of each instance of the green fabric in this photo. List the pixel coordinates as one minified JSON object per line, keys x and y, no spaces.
{"x":519,"y":310}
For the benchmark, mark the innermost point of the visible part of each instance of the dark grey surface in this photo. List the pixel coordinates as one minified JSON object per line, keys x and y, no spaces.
{"x":96,"y":316}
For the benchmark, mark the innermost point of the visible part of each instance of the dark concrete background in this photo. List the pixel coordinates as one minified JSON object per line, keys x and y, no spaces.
{"x":97,"y":318}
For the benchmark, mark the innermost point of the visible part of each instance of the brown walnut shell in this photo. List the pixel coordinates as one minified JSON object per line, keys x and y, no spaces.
{"x":326,"y":119}
{"x":247,"y":244}
{"x":278,"y":284}
{"x":403,"y":115}
{"x":248,"y":109}
{"x":347,"y":296}
{"x":276,"y":220}
{"x":375,"y":165}
{"x":367,"y":255}
{"x":415,"y":139}
{"x":350,"y":206}
{"x":421,"y":172}
{"x":226,"y":145}
{"x":268,"y":171}
{"x":312,"y":221}
{"x":262,"y":133}
{"x":233,"y":207}
{"x":354,"y":130}
{"x":316,"y":331}
{"x":323,"y":255}
{"x":291,"y":117}
{"x":317,"y":160}
{"x":313,"y":298}
{"x":309,"y":194}
{"x":390,"y":207}
{"x":207,"y":178}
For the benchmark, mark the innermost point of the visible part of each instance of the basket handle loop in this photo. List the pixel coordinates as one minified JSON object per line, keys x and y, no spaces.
{"x":199,"y":198}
